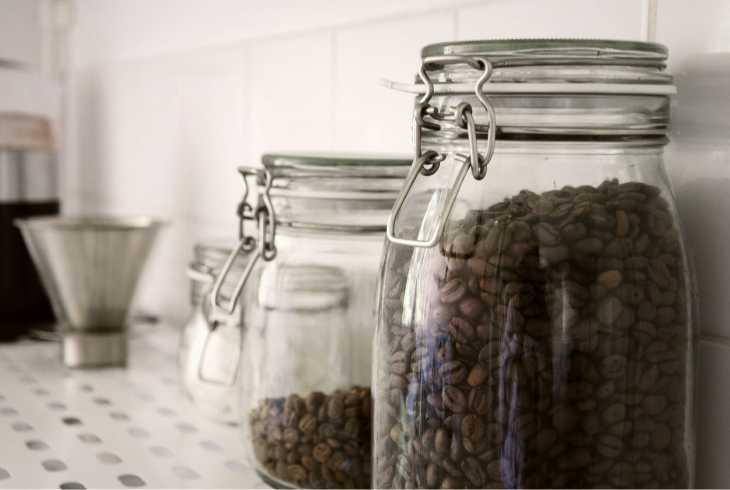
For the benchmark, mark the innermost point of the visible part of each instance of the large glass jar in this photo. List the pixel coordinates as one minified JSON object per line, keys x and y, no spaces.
{"x":309,"y":315}
{"x":535,"y":318}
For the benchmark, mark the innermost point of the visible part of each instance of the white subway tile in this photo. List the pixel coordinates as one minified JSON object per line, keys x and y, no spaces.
{"x":291,"y":94}
{"x":691,"y":29}
{"x":713,"y":417}
{"x":130,"y":137}
{"x":369,"y":117}
{"x":20,"y":32}
{"x":113,"y":29}
{"x":164,"y":288}
{"x":698,"y":38}
{"x":214,"y":136}
{"x":609,"y":19}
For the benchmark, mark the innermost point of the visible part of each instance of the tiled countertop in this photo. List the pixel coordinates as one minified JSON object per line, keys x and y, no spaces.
{"x":112,"y":428}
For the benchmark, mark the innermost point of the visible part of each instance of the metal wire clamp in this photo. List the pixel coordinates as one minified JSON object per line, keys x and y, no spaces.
{"x":429,"y":162}
{"x":263,"y":244}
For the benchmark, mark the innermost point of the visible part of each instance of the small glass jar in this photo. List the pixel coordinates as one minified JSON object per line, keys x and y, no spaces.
{"x":209,"y":350}
{"x":535,"y":321}
{"x":309,"y":316}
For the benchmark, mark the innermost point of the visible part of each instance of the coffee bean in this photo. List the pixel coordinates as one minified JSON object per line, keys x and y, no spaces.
{"x":661,"y":437}
{"x":471,"y":307}
{"x":610,"y":279}
{"x":442,"y":441}
{"x":432,"y":475}
{"x":478,"y":401}
{"x":487,"y":246}
{"x":453,"y":291}
{"x":550,"y":256}
{"x":573,"y":232}
{"x":609,"y":310}
{"x":477,"y":375}
{"x":622,"y":223}
{"x":310,"y":453}
{"x":589,"y":246}
{"x":452,"y":372}
{"x":454,"y":399}
{"x":461,"y":330}
{"x":654,"y":404}
{"x":547,"y":235}
{"x":609,"y":446}
{"x":614,"y":413}
{"x":550,"y":355}
{"x":564,"y":418}
{"x":473,"y":471}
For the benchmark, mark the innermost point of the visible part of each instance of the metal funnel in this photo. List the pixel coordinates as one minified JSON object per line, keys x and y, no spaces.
{"x":90,"y":267}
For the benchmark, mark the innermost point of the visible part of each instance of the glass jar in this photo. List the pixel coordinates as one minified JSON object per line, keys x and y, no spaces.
{"x":535,"y":315}
{"x":309,"y":315}
{"x":209,"y":349}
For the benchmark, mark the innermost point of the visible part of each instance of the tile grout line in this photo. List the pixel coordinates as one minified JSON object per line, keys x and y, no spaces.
{"x":649,"y":20}
{"x":290,"y":34}
{"x":333,"y":91}
{"x":455,"y":23}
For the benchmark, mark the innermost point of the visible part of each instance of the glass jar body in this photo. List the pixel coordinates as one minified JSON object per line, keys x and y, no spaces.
{"x":546,"y":340}
{"x":308,"y":319}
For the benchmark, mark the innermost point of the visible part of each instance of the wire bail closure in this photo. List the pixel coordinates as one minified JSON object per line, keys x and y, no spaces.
{"x":427,"y":163}
{"x":263,"y":243}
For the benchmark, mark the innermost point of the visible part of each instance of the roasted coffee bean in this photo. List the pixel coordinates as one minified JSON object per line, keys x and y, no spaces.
{"x":550,"y":350}
{"x":547,"y":235}
{"x":565,"y":419}
{"x":452,"y":372}
{"x":610,"y":279}
{"x":332,"y":451}
{"x":454,"y":399}
{"x":453,"y":291}
{"x":442,"y":441}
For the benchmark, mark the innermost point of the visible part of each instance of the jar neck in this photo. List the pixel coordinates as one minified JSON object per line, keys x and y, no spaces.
{"x":551,"y":145}
{"x":363,"y":212}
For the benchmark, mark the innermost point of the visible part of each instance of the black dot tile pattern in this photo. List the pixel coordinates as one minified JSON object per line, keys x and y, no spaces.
{"x":21,"y":426}
{"x":106,"y":457}
{"x":161,"y":451}
{"x":36,"y":445}
{"x":88,"y":438}
{"x":62,"y":425}
{"x":185,"y":473}
{"x":71,"y":485}
{"x":121,"y":416}
{"x":131,"y":481}
{"x":53,"y":465}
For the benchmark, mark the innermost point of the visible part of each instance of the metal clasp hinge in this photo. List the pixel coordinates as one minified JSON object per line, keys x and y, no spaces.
{"x":429,"y":162}
{"x":263,"y":243}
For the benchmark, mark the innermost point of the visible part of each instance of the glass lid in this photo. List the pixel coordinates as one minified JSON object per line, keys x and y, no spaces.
{"x":334,"y":190}
{"x":335,"y":176}
{"x":545,"y":88}
{"x":513,"y":51}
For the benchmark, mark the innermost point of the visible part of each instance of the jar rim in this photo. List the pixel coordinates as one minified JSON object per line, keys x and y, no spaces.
{"x":577,"y":50}
{"x":284,"y":164}
{"x":350,"y":191}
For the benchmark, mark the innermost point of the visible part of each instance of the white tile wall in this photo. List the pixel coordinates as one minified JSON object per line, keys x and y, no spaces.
{"x":158,"y":124}
{"x":291,"y":78}
{"x":609,"y":19}
{"x":713,"y":415}
{"x":368,"y":116}
{"x":110,"y":29}
{"x":21,"y":32}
